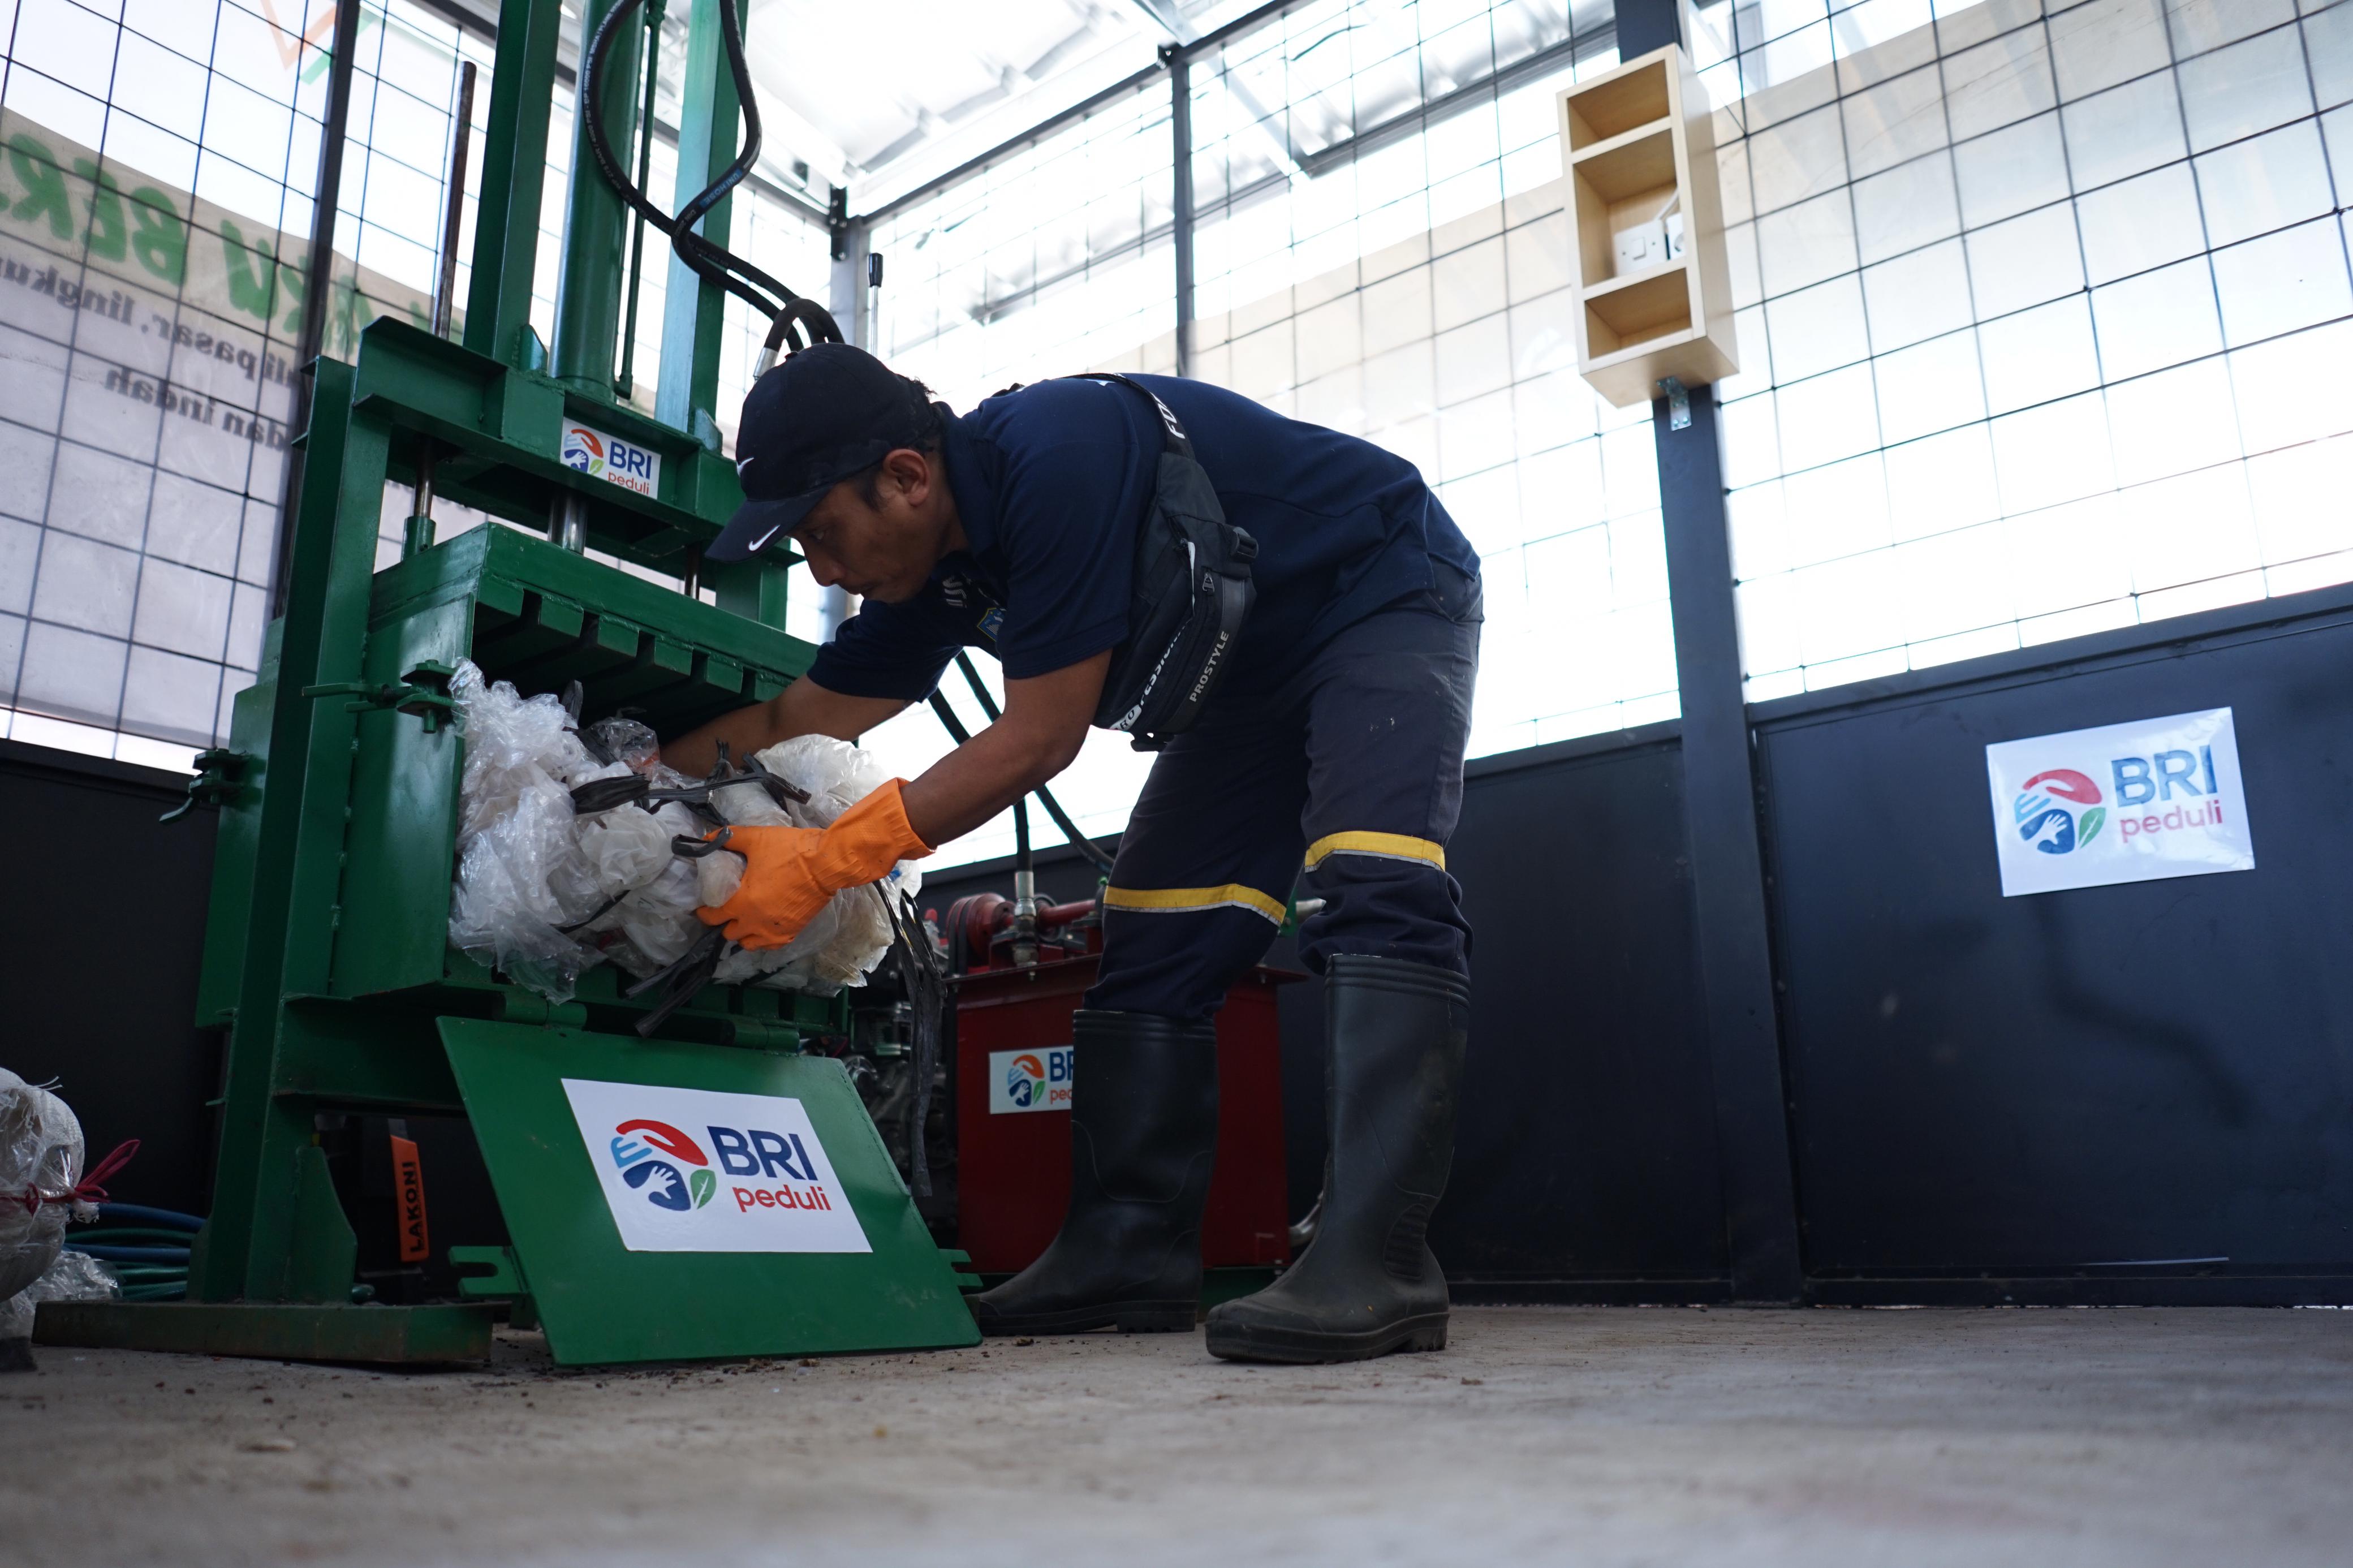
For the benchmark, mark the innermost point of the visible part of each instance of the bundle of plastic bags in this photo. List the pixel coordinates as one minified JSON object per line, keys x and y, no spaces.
{"x":544,"y":891}
{"x":41,"y":1166}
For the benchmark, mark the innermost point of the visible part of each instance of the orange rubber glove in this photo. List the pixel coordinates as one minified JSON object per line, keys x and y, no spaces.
{"x":790,"y":872}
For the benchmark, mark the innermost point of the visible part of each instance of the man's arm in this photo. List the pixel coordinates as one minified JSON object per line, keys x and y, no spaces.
{"x":804,"y":708}
{"x":1043,"y":725}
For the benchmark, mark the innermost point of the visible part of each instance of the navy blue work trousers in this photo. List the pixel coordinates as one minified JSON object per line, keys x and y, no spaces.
{"x":1349,"y":769}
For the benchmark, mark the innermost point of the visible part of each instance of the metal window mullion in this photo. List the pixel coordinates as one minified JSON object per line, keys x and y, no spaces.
{"x":1180,"y":121}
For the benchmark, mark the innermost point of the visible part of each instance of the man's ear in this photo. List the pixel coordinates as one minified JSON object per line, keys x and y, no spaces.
{"x":911,"y":472}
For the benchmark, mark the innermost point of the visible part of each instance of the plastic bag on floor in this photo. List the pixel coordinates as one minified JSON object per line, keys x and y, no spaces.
{"x":40,"y":1165}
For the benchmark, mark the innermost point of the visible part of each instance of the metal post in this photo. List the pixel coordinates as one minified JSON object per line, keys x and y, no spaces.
{"x":846,"y":291}
{"x":454,"y":208}
{"x":1180,"y":121}
{"x":515,"y":178}
{"x":567,"y":520}
{"x":687,"y":395}
{"x":595,"y":221}
{"x":318,"y":279}
{"x":419,"y":532}
{"x":1647,"y":25}
{"x":1727,"y":871}
{"x":625,"y":382}
{"x":1727,"y":874}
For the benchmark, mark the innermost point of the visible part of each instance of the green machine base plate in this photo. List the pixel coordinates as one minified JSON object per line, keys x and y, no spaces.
{"x":272,"y":1330}
{"x":670,"y":1201}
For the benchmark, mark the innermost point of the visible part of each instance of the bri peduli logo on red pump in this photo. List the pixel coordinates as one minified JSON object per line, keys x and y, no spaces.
{"x":699,"y":1171}
{"x":1036,"y":1079}
{"x":1024,"y":1081}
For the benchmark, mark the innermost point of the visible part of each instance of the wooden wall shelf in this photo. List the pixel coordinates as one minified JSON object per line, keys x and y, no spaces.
{"x":1646,"y":223}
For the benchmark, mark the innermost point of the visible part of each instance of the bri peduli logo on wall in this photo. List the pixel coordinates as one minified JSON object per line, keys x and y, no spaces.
{"x":2123,"y":802}
{"x":1035,"y":1079}
{"x":687,"y":1170}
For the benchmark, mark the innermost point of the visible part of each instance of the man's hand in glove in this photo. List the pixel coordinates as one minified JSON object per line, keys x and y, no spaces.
{"x":789,"y":873}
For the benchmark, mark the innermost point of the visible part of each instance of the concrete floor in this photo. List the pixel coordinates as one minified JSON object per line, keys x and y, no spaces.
{"x":1544,"y":1436}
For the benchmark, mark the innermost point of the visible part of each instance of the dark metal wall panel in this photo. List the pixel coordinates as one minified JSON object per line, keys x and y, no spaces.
{"x":1585,"y":1165}
{"x":1586,"y":1154}
{"x":2073,"y":1085}
{"x":101,"y":937}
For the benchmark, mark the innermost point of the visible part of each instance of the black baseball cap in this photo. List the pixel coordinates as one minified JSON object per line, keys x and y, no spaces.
{"x":821,"y":415}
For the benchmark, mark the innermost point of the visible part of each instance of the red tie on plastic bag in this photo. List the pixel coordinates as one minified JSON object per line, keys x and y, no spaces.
{"x":88,"y":1190}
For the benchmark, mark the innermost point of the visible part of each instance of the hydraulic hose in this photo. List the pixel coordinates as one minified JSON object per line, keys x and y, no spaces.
{"x":714,"y":264}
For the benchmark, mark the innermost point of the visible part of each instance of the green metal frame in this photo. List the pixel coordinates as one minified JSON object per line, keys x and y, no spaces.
{"x":326,"y":956}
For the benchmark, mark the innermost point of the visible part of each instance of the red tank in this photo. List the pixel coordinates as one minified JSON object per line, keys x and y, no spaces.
{"x":1013,"y":1120}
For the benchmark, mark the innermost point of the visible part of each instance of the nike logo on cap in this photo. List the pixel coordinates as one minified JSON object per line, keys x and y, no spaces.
{"x":762,"y":543}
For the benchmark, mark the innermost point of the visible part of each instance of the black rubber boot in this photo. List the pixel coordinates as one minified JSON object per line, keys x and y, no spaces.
{"x":1143,"y":1129}
{"x":1368,"y":1285}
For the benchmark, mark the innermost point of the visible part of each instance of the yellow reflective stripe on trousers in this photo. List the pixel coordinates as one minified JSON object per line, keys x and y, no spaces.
{"x":1387,"y":846}
{"x":1170,"y":900}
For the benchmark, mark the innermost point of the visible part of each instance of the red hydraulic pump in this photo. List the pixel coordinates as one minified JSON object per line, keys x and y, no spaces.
{"x":1013,"y":1071}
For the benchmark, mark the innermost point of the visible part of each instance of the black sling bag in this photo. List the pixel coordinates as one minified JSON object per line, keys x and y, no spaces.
{"x":1191,"y":594}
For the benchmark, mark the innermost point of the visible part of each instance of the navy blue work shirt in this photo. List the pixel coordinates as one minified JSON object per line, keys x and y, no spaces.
{"x":1053,"y":483}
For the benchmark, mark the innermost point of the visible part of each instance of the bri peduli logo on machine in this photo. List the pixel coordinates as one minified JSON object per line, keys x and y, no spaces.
{"x":779,"y":1157}
{"x":592,"y":452}
{"x":2045,"y":819}
{"x":661,"y":1183}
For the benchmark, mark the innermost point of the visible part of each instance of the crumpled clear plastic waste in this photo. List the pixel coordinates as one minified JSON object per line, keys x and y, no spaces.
{"x":849,"y":937}
{"x":40,"y":1163}
{"x":521,"y":877}
{"x":543,"y":894}
{"x":70,"y":1276}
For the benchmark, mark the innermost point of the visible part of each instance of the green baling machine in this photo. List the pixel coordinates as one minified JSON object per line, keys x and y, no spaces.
{"x":776,"y":1223}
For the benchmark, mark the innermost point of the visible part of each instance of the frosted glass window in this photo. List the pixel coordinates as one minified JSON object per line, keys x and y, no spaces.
{"x":2265,"y":182}
{"x":1933,"y":386}
{"x":1998,"y":83}
{"x":1797,"y":159}
{"x":1893,"y":121}
{"x":2172,"y":423}
{"x":2037,"y":355}
{"x":2247,"y":88}
{"x":2283,"y":281}
{"x":2203,"y":24}
{"x":2025,"y":262}
{"x":2012,"y":171}
{"x":1807,"y":243}
{"x":1418,"y":296}
{"x":2125,"y":130}
{"x":2158,"y":319}
{"x":2103,"y":43}
{"x":2141,"y":223}
{"x":1416,"y":293}
{"x":2328,"y":50}
{"x":1918,"y":295}
{"x":1905,"y":208}
{"x":1818,"y":329}
{"x":2092,"y":333}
